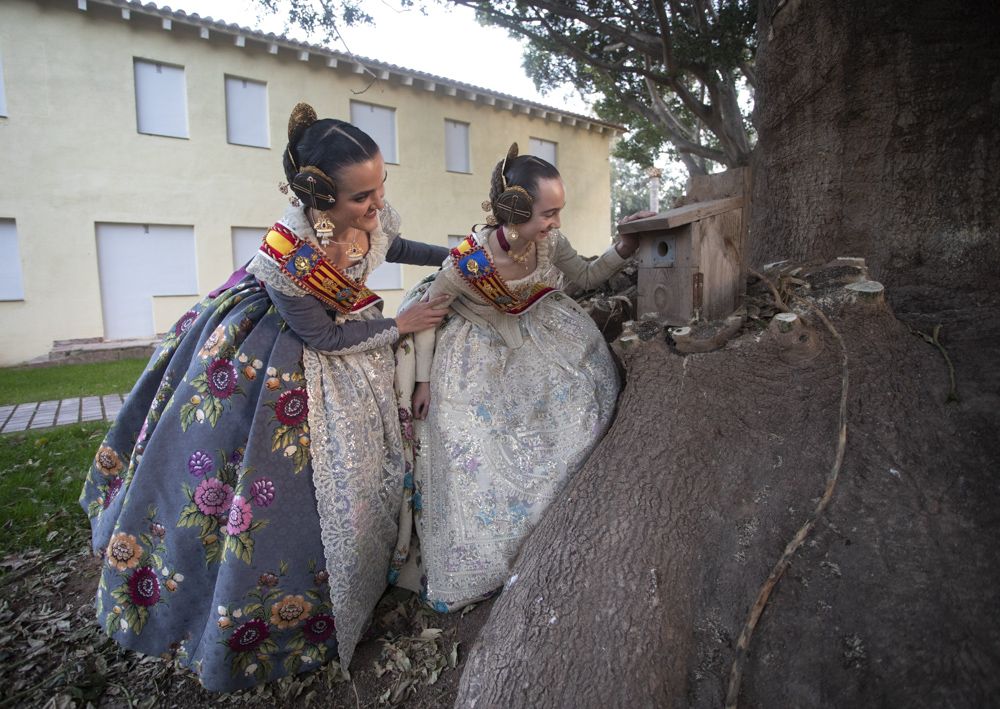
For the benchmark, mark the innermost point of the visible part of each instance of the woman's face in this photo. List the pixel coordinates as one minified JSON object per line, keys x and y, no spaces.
{"x":545,"y":210}
{"x":360,"y":194}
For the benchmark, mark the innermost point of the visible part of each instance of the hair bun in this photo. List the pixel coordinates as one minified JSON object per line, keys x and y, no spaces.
{"x":302,"y":116}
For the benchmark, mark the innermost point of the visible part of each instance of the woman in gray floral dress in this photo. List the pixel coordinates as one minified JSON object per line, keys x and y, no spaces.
{"x":245,"y":500}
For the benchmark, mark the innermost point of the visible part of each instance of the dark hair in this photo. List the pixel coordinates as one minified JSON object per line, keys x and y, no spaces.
{"x":522,"y":171}
{"x":328,"y":146}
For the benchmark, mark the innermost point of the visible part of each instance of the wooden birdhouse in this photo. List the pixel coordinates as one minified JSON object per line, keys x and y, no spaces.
{"x":692,"y":261}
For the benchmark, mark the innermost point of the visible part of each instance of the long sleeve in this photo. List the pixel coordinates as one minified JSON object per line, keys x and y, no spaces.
{"x":423,"y":341}
{"x":415,"y":253}
{"x":586,"y":274}
{"x":311,"y":321}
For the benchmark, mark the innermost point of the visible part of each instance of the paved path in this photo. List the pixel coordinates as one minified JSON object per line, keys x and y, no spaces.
{"x":45,"y":414}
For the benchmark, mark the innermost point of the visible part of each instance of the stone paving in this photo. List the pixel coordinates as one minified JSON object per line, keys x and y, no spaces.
{"x":45,"y":414}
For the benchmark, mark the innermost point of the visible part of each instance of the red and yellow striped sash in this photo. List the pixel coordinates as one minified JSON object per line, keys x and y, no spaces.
{"x":306,"y":266}
{"x":476,"y":268}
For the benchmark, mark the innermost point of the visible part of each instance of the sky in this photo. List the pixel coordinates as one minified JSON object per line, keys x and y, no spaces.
{"x":446,"y":41}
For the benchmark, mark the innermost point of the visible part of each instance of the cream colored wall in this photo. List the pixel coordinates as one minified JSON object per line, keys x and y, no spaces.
{"x":72,"y":157}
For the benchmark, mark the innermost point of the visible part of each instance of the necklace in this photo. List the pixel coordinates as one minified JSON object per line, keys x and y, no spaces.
{"x":324,"y":235}
{"x":521,"y":258}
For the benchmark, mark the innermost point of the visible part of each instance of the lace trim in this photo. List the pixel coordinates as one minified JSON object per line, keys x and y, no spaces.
{"x":268,"y":271}
{"x":357,"y":465}
{"x":379,"y":339}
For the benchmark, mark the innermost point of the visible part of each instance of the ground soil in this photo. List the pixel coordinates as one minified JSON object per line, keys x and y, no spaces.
{"x":54,"y":655}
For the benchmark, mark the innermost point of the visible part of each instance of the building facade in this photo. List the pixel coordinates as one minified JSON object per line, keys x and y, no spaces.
{"x":141,"y":156}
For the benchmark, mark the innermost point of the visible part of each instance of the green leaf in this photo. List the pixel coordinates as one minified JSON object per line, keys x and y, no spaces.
{"x":241,"y":545}
{"x":241,"y":661}
{"x":131,"y":616}
{"x":213,"y":552}
{"x":191,"y":516}
{"x":213,"y":409}
{"x":120,"y":594}
{"x":142,"y":615}
{"x":282,"y":567}
{"x":293,"y":663}
{"x":301,"y":458}
{"x":187,"y":415}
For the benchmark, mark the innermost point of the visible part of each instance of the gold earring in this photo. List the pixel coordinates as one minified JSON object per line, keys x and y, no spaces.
{"x":511,"y":233}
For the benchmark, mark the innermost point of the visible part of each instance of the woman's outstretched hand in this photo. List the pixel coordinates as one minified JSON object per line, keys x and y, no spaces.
{"x":629,"y":243}
{"x":422,"y":315}
{"x":421,"y":402}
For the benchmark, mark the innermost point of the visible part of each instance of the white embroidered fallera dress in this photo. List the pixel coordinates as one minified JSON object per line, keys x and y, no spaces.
{"x":517,"y":405}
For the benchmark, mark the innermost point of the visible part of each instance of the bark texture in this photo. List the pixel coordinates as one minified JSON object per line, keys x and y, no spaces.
{"x":638,"y":581}
{"x":877,"y":126}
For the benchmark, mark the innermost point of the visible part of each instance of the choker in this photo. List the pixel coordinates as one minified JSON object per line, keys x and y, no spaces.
{"x":505,"y":246}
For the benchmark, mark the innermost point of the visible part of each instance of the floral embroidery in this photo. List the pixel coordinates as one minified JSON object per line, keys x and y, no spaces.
{"x":318,"y":628}
{"x":291,"y":411}
{"x":200,"y":464}
{"x":249,"y":636}
{"x":218,"y":508}
{"x":184,"y":324}
{"x":144,"y":587}
{"x":108,"y":461}
{"x":139,"y":563}
{"x":292,"y":407}
{"x":213,"y":496}
{"x":124,"y":551}
{"x":289,"y":611}
{"x":114,"y":485}
{"x":262,"y":492}
{"x":215,"y":385}
{"x":240,"y":516}
{"x":176,"y":334}
{"x":220,"y":376}
{"x":214,"y":343}
{"x":273,"y":623}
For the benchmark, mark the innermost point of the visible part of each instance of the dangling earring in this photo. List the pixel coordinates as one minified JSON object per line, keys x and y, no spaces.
{"x":511,"y":233}
{"x":324,"y":230}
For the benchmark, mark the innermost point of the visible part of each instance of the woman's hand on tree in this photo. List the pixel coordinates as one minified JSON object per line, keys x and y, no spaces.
{"x":422,"y":315}
{"x":421,"y":402}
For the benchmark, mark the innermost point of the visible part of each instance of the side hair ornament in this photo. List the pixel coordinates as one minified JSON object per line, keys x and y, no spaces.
{"x":513,"y":204}
{"x":309,"y":183}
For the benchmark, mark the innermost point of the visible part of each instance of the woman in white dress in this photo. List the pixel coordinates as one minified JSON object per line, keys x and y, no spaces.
{"x":517,"y":389}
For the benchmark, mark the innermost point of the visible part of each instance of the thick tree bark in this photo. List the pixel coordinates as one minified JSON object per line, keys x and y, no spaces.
{"x":877,"y":137}
{"x":637,"y":583}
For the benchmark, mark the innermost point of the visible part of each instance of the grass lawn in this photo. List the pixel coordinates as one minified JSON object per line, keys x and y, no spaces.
{"x":41,"y":475}
{"x":21,"y":384}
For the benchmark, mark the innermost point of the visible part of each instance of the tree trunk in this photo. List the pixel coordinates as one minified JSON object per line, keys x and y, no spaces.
{"x":637,"y":583}
{"x":877,"y":138}
{"x":877,"y":125}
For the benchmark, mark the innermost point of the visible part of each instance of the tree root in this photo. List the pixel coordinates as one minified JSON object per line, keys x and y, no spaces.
{"x":743,"y":644}
{"x":933,"y":339}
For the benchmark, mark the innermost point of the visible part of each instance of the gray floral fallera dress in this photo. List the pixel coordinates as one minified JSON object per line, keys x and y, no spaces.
{"x":245,"y":499}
